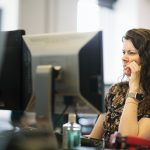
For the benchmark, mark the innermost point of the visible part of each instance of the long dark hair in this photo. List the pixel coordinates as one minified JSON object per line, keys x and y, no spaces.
{"x":140,"y":38}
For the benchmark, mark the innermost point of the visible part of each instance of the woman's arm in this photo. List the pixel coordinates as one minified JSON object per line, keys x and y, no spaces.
{"x":97,"y":131}
{"x":129,"y":124}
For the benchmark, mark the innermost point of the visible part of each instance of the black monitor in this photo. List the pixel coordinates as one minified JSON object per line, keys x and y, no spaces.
{"x":15,"y":71}
{"x":76,"y":58}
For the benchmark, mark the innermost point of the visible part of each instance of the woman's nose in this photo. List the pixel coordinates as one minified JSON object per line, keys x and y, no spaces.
{"x":125,"y":57}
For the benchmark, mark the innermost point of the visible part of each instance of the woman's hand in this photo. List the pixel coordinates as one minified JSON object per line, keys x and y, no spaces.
{"x":134,"y":81}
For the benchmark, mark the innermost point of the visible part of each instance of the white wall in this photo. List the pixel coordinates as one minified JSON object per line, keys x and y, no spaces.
{"x":41,"y":16}
{"x":9,"y":14}
{"x":33,"y":15}
{"x":143,"y":13}
{"x":64,"y":15}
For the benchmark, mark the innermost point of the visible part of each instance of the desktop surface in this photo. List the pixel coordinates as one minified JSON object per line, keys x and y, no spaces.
{"x":10,"y":139}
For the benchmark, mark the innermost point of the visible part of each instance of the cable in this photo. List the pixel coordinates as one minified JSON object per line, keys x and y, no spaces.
{"x":68,"y":101}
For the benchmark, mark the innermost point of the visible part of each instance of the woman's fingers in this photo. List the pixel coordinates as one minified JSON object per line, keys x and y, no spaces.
{"x":134,"y":67}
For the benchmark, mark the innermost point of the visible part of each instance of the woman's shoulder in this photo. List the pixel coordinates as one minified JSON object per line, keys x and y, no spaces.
{"x":119,"y":87}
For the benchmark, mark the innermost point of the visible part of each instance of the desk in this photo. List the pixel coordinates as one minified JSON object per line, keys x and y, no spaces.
{"x":8,"y":137}
{"x":8,"y":134}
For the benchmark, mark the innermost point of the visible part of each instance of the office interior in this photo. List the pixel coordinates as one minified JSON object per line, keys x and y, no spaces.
{"x":52,"y":16}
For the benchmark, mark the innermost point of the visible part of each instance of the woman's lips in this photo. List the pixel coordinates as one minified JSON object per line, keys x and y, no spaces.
{"x":126,"y":70}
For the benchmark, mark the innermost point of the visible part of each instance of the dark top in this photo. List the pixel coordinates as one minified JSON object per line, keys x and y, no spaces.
{"x":114,"y":102}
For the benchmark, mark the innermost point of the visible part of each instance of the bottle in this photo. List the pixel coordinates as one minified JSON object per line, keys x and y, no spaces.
{"x":71,"y":133}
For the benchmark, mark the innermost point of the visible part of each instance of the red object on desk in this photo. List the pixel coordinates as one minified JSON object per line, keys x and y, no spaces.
{"x":137,"y":141}
{"x":128,"y":142}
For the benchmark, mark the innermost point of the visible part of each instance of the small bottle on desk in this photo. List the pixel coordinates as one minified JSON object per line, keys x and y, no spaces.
{"x":71,"y":133}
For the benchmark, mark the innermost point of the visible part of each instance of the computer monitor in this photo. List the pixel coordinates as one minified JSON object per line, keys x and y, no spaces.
{"x":79,"y":57}
{"x":15,"y":71}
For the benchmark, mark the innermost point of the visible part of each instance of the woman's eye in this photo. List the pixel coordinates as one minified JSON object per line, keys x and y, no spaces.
{"x":132,"y":53}
{"x":129,"y":52}
{"x":123,"y":52}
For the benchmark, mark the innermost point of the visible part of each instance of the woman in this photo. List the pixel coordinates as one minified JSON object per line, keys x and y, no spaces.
{"x":128,"y":103}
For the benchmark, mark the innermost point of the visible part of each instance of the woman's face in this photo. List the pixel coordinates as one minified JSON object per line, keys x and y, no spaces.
{"x":130,"y":54}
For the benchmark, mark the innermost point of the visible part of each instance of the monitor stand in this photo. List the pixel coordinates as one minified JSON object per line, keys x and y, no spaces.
{"x":44,"y":96}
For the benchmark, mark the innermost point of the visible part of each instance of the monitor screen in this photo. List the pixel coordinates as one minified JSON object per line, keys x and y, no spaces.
{"x":15,"y":68}
{"x":80,"y":57}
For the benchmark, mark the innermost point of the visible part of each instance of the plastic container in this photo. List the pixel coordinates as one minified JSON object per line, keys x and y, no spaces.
{"x":71,"y":133}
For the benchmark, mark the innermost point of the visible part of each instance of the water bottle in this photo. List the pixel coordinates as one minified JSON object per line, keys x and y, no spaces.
{"x":71,"y":133}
